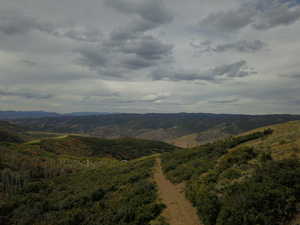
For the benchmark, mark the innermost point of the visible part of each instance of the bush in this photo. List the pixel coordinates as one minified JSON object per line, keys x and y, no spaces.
{"x":268,"y":197}
{"x":119,"y":194}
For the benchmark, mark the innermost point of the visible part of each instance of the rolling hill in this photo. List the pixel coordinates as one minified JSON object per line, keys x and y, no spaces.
{"x":10,"y":132}
{"x":252,"y":178}
{"x":111,"y":193}
{"x":163,"y":127}
{"x":249,"y":179}
{"x":73,"y":179}
{"x":84,"y":146}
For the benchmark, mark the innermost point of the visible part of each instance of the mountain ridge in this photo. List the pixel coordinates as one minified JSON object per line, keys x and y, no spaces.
{"x":156,"y":126}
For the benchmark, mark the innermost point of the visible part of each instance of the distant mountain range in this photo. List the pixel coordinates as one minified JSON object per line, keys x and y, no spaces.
{"x":182,"y":129}
{"x":6,"y":115}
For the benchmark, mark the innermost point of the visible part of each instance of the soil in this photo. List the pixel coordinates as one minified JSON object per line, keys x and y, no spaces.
{"x":179,"y":211}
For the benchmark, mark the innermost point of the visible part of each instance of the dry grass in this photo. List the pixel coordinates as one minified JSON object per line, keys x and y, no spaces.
{"x":283,"y":143}
{"x":187,"y":141}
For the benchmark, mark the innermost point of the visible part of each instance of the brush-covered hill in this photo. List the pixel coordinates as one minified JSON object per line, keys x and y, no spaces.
{"x":84,"y":146}
{"x":13,"y":133}
{"x":163,"y":127}
{"x":67,"y":193}
{"x":10,"y":137}
{"x":253,"y":178}
{"x":74,"y":179}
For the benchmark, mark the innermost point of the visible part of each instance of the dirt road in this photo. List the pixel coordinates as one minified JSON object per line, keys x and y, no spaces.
{"x":179,"y":210}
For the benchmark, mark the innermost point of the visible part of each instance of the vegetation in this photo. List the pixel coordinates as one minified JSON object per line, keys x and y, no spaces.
{"x":249,"y":179}
{"x":49,"y":158}
{"x":123,"y":149}
{"x":79,"y":180}
{"x":184,"y":164}
{"x":247,"y":194}
{"x":11,"y":133}
{"x":119,"y":194}
{"x":165,"y":127}
{"x":8,"y":137}
{"x":232,"y":183}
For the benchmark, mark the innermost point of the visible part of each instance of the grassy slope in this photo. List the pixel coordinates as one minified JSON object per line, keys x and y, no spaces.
{"x":186,"y":141}
{"x":283,"y":143}
{"x":255,"y":182}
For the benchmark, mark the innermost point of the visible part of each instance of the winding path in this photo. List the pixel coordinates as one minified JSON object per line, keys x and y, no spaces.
{"x":179,"y":210}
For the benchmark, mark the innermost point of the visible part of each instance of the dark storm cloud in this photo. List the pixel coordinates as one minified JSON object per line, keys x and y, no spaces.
{"x":260,"y":14}
{"x":93,"y":57}
{"x":128,"y":48}
{"x":237,"y":69}
{"x":154,"y":11}
{"x":148,"y":48}
{"x":226,"y":22}
{"x":242,"y":46}
{"x":131,"y":31}
{"x":151,"y":14}
{"x":25,"y":94}
{"x":85,"y":35}
{"x":118,"y":59}
{"x":16,"y":23}
{"x":136,"y":63}
{"x":274,"y":13}
{"x":13,"y":23}
{"x":218,"y":74}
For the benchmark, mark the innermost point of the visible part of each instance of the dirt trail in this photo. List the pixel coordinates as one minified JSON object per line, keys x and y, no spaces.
{"x":179,"y":210}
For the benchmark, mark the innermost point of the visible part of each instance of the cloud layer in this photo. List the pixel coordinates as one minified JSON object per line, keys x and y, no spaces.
{"x":236,"y":56}
{"x":259,"y":14}
{"x":242,"y":46}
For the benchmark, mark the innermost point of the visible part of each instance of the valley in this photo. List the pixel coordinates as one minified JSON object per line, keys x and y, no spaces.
{"x":149,"y":112}
{"x":181,"y":129}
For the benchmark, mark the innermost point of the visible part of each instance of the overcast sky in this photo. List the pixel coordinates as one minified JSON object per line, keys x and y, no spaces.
{"x":233,"y":56}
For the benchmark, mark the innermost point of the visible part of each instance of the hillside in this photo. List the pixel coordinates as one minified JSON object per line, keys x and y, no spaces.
{"x":10,"y":132}
{"x":111,"y":194}
{"x":84,"y":146}
{"x":249,"y":179}
{"x":162,"y":127}
{"x":283,"y":143}
{"x":74,"y":179}
{"x":252,"y":178}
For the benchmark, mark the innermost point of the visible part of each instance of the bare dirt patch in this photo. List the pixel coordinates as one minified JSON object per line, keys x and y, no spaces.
{"x":179,"y":210}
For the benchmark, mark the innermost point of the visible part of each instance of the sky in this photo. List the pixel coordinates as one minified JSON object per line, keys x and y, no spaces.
{"x":233,"y":56}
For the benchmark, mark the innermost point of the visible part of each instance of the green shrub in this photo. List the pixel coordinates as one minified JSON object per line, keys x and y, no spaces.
{"x":231,"y":173}
{"x":120,"y":194}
